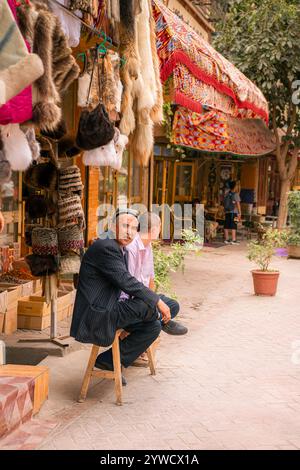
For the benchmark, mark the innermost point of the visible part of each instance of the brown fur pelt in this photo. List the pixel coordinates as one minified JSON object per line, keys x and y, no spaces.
{"x":142,"y":141}
{"x":43,"y":31}
{"x":127,"y":16}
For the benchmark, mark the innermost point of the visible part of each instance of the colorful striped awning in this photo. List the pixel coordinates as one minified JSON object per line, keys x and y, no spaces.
{"x":196,"y":75}
{"x":214,"y":131}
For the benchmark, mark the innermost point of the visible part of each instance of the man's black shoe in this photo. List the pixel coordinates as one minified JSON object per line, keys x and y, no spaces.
{"x":106,"y":366}
{"x":174,"y":328}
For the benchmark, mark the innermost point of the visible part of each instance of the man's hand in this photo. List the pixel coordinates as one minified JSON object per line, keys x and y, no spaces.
{"x":1,"y":222}
{"x":164,"y":310}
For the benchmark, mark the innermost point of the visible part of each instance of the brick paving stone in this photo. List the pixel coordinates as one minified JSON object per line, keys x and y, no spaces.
{"x":230,"y":383}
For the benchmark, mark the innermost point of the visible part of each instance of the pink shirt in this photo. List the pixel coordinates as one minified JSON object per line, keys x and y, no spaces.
{"x":140,"y":262}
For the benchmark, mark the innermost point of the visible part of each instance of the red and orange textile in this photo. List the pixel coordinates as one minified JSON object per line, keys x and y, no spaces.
{"x":215,"y":131}
{"x":199,"y":73}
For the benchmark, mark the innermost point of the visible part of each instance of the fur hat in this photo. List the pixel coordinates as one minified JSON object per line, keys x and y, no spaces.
{"x":42,"y":176}
{"x":16,"y":147}
{"x":67,"y":147}
{"x":20,"y":68}
{"x":36,"y":207}
{"x":58,"y":132}
{"x":42,"y":265}
{"x":101,"y":156}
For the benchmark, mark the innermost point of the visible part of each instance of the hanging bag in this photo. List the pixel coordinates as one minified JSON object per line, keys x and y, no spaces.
{"x":95,"y":128}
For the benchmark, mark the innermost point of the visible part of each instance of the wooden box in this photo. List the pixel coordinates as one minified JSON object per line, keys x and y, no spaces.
{"x":10,"y":317}
{"x":34,"y":306}
{"x":14,"y":292}
{"x":35,"y":314}
{"x":28,"y":322}
{"x":41,"y":379}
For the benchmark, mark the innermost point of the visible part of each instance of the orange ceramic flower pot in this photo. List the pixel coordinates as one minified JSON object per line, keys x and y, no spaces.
{"x":265,"y":282}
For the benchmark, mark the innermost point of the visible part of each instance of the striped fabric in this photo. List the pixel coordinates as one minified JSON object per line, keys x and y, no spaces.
{"x":103,"y":275}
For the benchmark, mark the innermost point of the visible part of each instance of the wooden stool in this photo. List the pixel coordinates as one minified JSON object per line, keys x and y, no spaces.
{"x":115,"y":375}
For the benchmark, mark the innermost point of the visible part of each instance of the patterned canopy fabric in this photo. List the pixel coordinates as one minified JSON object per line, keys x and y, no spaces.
{"x":214,"y":131}
{"x":190,"y":63}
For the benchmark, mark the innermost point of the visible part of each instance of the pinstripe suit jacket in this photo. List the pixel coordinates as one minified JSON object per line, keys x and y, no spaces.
{"x":103,"y":275}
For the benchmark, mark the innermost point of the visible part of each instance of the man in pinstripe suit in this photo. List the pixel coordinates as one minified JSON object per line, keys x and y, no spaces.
{"x":98,"y":313}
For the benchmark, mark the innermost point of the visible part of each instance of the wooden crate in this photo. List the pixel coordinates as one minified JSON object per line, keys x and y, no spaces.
{"x":14,"y":292}
{"x":41,"y":379}
{"x":10,"y":317}
{"x":11,"y":320}
{"x":33,"y":306}
{"x":2,"y":316}
{"x":27,"y":322}
{"x":35,"y":314}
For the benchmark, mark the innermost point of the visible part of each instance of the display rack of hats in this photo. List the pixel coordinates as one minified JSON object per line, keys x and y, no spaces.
{"x":54,"y":213}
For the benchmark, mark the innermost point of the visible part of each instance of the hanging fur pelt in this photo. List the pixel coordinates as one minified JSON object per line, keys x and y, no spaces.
{"x":42,"y":29}
{"x":142,"y":140}
{"x":157,"y":111}
{"x":131,"y":69}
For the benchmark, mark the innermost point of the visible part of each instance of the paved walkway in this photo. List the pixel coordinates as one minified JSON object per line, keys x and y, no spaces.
{"x":230,"y":383}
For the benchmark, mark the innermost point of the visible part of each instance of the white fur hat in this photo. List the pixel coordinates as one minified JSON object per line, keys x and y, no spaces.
{"x":16,"y":147}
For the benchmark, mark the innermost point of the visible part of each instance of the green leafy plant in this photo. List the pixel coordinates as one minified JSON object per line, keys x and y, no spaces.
{"x":262,"y":38}
{"x":261,"y":251}
{"x":294,"y":213}
{"x":168,"y":260}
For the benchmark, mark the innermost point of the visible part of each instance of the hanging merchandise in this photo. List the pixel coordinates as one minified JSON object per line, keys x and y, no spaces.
{"x":120,"y":144}
{"x":70,"y":239}
{"x":69,"y":264}
{"x":142,"y":96}
{"x":28,"y":233}
{"x":33,"y":143}
{"x":83,"y":90}
{"x":5,"y":168}
{"x":58,"y":133}
{"x":37,"y":207}
{"x":103,"y":156}
{"x":83,"y":5}
{"x":44,"y":241}
{"x":70,"y":210}
{"x":18,"y":68}
{"x":70,"y":180}
{"x":108,"y":85}
{"x":42,"y":29}
{"x":42,"y":265}
{"x":70,"y":25}
{"x":16,"y":148}
{"x":94,"y":129}
{"x":43,"y":175}
{"x":66,"y":148}
{"x":115,"y":59}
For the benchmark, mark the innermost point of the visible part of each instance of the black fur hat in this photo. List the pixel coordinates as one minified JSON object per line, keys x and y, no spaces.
{"x":42,"y":176}
{"x":42,"y":265}
{"x":67,"y":147}
{"x":58,"y":133}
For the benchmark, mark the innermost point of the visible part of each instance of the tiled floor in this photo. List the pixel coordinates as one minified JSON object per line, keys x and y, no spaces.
{"x":232,"y":383}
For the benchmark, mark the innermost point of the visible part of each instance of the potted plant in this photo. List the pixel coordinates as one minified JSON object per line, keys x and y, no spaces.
{"x":265,"y":280}
{"x":294,"y":213}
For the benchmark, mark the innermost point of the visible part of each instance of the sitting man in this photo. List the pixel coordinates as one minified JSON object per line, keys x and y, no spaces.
{"x":98,"y":312}
{"x":141,"y":266}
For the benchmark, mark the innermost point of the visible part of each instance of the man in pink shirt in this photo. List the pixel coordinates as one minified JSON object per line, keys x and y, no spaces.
{"x":141,"y":266}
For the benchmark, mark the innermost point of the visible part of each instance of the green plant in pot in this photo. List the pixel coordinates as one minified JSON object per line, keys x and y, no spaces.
{"x":294,"y":235}
{"x":261,"y":252}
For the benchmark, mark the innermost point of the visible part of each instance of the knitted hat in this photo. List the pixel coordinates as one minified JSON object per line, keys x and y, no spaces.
{"x":70,"y":209}
{"x":70,"y":180}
